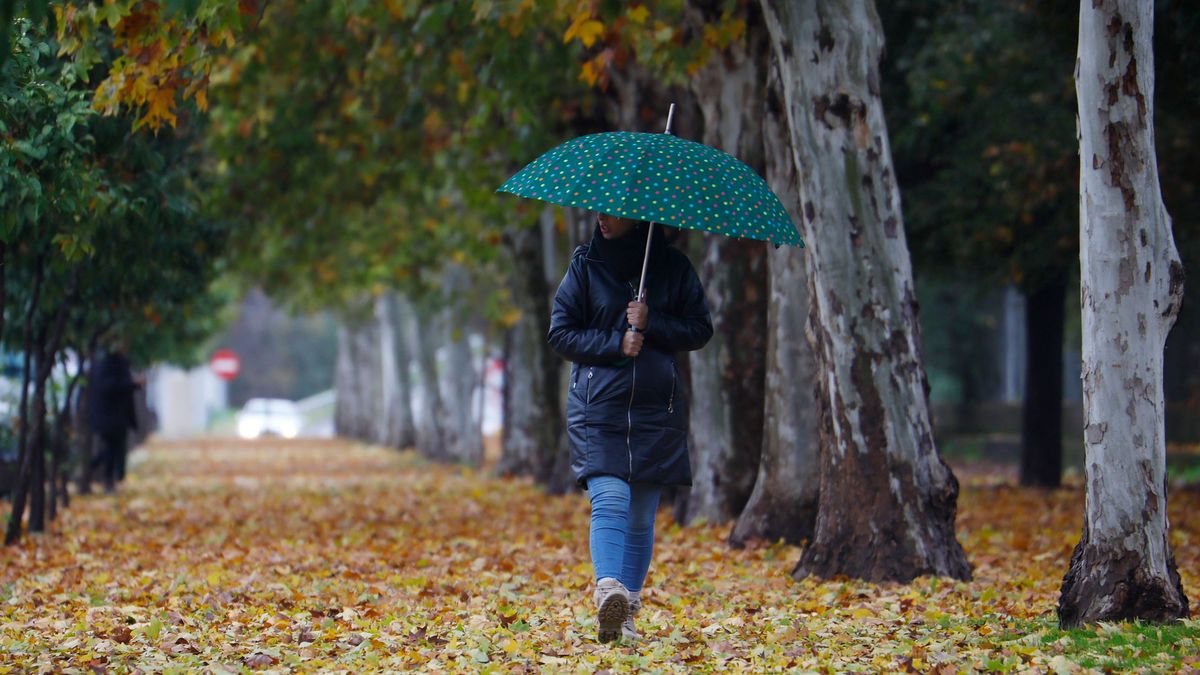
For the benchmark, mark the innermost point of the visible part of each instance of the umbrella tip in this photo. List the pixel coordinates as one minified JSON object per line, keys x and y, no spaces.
{"x":670,"y":116}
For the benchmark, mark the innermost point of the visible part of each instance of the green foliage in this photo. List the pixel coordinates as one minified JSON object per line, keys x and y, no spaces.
{"x":959,"y":332}
{"x":163,"y":53}
{"x":360,"y":145}
{"x":37,"y":11}
{"x":108,"y":213}
{"x":983,"y":133}
{"x":48,"y":181}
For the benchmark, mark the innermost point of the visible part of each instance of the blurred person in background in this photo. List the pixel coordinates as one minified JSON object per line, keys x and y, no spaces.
{"x":111,"y":410}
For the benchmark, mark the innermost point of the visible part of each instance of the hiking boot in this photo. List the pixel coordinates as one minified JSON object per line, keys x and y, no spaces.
{"x":612,"y":606}
{"x":628,"y":628}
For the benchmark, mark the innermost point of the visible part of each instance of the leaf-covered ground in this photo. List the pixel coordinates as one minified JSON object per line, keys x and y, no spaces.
{"x":309,"y":556}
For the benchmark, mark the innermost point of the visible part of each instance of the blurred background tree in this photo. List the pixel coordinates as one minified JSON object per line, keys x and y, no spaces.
{"x":984,"y":109}
{"x":981,"y":101}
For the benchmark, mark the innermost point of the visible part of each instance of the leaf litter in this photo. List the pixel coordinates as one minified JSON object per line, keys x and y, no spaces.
{"x":308,"y":556}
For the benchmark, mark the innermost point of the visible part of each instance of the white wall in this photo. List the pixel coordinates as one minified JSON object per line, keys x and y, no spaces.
{"x":185,"y":400}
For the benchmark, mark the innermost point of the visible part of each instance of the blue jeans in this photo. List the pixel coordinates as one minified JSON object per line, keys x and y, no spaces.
{"x":622,"y":533}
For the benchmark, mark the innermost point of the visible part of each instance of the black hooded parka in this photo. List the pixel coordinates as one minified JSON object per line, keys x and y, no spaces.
{"x":628,"y":417}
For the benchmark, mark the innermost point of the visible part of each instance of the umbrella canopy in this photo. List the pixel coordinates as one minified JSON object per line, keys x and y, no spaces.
{"x":659,"y":178}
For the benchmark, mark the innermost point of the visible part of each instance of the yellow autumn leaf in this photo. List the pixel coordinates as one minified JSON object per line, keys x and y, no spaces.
{"x":585,"y":29}
{"x":592,"y":70}
{"x":160,"y":104}
{"x":510,"y":317}
{"x":589,"y":73}
{"x":589,"y":32}
{"x":638,"y":14}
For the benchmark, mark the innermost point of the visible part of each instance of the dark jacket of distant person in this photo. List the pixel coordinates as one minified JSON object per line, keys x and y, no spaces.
{"x":111,"y":388}
{"x":628,"y":417}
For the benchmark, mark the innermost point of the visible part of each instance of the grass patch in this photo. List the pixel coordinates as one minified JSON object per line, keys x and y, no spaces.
{"x":1108,"y":647}
{"x":1183,"y":468}
{"x":963,"y":448}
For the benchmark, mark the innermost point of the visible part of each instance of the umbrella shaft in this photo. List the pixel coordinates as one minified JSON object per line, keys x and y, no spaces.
{"x":641,"y":296}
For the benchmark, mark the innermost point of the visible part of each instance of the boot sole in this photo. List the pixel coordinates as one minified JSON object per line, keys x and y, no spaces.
{"x":612,"y":615}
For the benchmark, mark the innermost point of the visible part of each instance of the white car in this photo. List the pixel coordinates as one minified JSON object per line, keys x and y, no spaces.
{"x":269,"y":417}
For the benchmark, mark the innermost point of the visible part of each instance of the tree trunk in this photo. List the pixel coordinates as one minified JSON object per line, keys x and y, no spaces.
{"x":37,"y":439}
{"x":887,"y":501}
{"x":62,"y":423}
{"x":48,"y":342}
{"x":533,"y":419}
{"x":83,"y":426}
{"x":726,"y":426}
{"x":394,"y":359}
{"x":52,"y":472}
{"x":21,"y":485}
{"x":358,"y":380}
{"x":369,"y":421}
{"x":784,"y":502}
{"x":1131,"y":291}
{"x":461,"y":431}
{"x":430,"y":411}
{"x":37,"y":455}
{"x":344,"y":383}
{"x":3,"y":282}
{"x":1041,"y":414}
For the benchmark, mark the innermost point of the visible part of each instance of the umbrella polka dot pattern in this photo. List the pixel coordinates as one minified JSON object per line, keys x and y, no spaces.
{"x":659,"y":178}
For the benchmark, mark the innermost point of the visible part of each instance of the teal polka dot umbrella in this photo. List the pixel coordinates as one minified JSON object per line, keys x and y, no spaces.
{"x":659,"y":178}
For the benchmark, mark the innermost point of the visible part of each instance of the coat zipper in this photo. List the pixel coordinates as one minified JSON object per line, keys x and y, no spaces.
{"x":629,"y":419}
{"x":671,"y":400}
{"x":587,"y":394}
{"x":629,"y":410}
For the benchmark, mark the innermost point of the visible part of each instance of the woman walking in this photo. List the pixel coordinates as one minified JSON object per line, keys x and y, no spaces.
{"x":627,"y":417}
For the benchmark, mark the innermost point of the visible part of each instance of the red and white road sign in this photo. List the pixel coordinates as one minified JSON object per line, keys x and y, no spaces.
{"x":226,"y":364}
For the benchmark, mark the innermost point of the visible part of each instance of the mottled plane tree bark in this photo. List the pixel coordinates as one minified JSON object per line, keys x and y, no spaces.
{"x":533,"y":418}
{"x":397,"y":428}
{"x":728,"y":376}
{"x":784,"y":502}
{"x":887,"y":501}
{"x":430,"y":409}
{"x":459,"y":371}
{"x":1131,"y":291}
{"x":357,"y":380}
